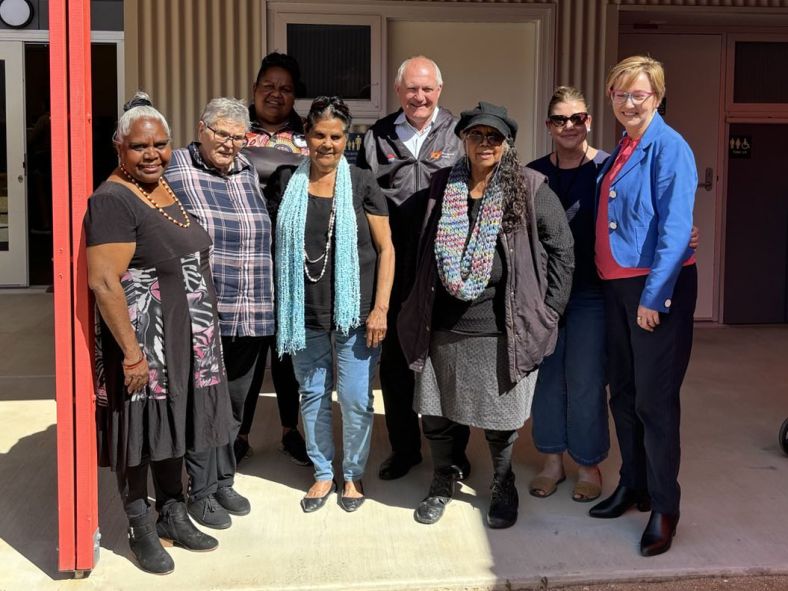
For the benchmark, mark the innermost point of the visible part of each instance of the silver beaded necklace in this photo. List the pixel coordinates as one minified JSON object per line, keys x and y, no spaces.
{"x":323,"y":257}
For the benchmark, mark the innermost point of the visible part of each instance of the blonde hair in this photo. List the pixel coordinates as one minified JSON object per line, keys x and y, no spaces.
{"x":625,"y":72}
{"x":564,"y":94}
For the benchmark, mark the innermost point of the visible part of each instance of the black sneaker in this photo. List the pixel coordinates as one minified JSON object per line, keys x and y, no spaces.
{"x":430,"y":510}
{"x":233,"y":502}
{"x":294,"y":446}
{"x":504,"y":503}
{"x":208,"y":512}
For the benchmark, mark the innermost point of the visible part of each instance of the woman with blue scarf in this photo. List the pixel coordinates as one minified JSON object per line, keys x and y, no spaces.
{"x":334,"y":270}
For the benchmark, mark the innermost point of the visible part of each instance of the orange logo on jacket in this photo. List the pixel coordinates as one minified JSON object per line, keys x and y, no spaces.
{"x":436,"y":154}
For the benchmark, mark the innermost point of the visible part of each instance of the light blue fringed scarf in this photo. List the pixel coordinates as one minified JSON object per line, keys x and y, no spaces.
{"x":290,"y":226}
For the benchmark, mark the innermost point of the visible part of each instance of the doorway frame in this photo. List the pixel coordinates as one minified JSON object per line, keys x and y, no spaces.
{"x":42,"y":37}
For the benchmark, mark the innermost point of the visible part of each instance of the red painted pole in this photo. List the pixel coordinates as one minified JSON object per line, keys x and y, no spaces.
{"x":72,"y":182}
{"x":81,"y":151}
{"x":61,"y":237}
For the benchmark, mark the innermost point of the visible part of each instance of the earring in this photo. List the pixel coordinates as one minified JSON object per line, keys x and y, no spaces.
{"x":588,"y":129}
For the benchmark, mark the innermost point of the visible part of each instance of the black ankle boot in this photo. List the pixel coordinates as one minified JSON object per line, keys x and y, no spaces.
{"x":659,"y":533}
{"x":430,"y":510}
{"x":147,"y":548}
{"x":504,"y":502}
{"x":620,"y":501}
{"x":175,"y":527}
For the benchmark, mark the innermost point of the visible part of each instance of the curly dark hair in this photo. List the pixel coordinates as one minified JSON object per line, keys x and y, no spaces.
{"x":328,"y":107}
{"x":516,"y":202}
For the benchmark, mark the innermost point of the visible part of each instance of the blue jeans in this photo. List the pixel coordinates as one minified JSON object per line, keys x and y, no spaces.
{"x":314,"y":370}
{"x":569,"y":411}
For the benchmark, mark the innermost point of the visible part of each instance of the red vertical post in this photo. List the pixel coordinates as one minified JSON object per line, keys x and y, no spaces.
{"x":69,"y":53}
{"x":81,"y":151}
{"x":61,"y":237}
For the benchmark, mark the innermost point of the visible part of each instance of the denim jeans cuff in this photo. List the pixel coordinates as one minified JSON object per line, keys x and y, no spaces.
{"x":592,"y":462}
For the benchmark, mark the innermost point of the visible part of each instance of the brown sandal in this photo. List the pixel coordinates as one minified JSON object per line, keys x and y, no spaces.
{"x":543,"y":486}
{"x":585,"y":492}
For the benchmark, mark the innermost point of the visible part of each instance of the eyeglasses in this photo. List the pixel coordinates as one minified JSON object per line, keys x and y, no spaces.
{"x":638,"y":97}
{"x":560,"y":120}
{"x":223,"y":137}
{"x":493,"y":138}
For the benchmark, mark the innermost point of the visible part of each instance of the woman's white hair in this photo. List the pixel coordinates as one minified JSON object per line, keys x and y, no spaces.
{"x":224,"y":109}
{"x":404,"y":66}
{"x":138,"y":107}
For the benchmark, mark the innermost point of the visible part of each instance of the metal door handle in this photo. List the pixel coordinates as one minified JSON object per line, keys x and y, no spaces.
{"x":708,"y":183}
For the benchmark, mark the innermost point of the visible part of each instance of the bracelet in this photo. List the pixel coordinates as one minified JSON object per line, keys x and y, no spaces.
{"x":136,"y":363}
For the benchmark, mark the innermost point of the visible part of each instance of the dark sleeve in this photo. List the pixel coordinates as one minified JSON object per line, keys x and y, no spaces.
{"x":275,"y":190}
{"x":363,"y":160}
{"x":109,"y":219}
{"x":556,"y":238}
{"x":374,"y":200}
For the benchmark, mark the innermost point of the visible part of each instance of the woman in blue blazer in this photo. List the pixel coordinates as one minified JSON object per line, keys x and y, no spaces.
{"x":646,"y":193}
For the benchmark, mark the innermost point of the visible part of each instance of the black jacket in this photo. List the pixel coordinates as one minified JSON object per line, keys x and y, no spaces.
{"x":405,"y":181}
{"x":539,"y":262}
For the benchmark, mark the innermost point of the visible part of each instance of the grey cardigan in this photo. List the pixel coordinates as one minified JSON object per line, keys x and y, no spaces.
{"x":539,"y":261}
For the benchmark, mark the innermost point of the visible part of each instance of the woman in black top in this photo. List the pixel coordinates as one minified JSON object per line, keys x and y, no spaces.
{"x":334,"y":269}
{"x":494,"y":270}
{"x":161,"y":384}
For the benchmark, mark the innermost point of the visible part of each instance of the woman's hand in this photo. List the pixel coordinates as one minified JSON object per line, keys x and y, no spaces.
{"x":694,"y":238}
{"x":135,"y":373}
{"x":376,"y":327}
{"x":647,"y":319}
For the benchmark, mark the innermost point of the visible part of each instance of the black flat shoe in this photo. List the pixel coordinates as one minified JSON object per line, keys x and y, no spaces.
{"x":659,"y":533}
{"x":397,"y":465}
{"x":351,"y":504}
{"x":312,"y":504}
{"x":619,"y":502}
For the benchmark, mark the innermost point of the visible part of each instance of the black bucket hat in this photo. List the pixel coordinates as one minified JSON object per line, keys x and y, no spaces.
{"x":490,"y":115}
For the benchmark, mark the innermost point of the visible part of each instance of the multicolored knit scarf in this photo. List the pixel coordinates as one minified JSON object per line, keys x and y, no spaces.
{"x":465,"y":270}
{"x":290,"y":227}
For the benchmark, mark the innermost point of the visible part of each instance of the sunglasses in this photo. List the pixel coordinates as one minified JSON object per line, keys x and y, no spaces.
{"x":493,"y":138}
{"x":560,"y":120}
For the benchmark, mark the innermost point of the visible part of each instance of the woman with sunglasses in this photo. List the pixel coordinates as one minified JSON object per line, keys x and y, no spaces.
{"x":493,"y":277}
{"x":570,"y":402}
{"x":644,"y":218}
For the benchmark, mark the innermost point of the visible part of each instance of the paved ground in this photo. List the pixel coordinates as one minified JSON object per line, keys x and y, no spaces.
{"x":734,"y":517}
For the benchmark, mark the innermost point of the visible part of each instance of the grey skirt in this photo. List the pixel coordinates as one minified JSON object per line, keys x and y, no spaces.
{"x":466,"y":379}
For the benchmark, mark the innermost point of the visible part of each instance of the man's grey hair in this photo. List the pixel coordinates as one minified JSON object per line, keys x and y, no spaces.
{"x":136,"y":109}
{"x":404,"y":66}
{"x":226,"y":109}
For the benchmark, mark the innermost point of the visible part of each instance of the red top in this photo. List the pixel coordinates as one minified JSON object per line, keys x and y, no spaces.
{"x":606,"y":265}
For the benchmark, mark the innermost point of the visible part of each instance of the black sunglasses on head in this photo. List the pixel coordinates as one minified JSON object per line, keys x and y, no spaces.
{"x":575,"y":118}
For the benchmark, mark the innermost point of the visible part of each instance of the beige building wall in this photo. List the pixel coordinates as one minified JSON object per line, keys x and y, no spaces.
{"x":466,"y":54}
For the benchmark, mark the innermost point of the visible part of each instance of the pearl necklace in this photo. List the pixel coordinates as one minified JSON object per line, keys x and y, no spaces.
{"x":150,"y":199}
{"x":324,"y":256}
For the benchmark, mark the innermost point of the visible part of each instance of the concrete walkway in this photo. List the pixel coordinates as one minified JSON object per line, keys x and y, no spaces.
{"x":734,"y":479}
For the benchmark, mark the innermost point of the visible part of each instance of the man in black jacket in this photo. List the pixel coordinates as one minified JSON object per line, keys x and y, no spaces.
{"x":403,"y":150}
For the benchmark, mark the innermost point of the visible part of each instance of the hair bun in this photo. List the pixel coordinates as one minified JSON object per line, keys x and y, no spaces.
{"x":140,"y":99}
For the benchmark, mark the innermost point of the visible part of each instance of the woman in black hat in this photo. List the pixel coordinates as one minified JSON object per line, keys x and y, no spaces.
{"x":494,"y":274}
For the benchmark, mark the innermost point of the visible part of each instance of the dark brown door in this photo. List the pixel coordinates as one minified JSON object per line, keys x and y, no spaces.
{"x":756,"y":235}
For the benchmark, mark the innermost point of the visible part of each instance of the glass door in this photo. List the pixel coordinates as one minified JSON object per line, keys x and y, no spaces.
{"x":13,"y":210}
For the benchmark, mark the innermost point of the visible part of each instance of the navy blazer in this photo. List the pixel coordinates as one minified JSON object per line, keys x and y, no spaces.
{"x":650,"y":209}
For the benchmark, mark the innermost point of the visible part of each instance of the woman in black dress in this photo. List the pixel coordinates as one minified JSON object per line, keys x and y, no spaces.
{"x":161,"y":384}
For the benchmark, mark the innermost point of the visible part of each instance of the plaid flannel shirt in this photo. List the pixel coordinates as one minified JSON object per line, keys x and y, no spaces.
{"x":232,"y":210}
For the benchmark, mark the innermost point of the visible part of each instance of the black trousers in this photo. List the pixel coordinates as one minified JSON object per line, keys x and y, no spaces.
{"x":397,"y":383}
{"x":645,"y":373}
{"x":285,"y":385}
{"x":212,"y":469}
{"x":448,"y":440}
{"x":167,"y":484}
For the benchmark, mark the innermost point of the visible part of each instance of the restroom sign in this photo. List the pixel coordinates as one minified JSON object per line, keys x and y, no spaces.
{"x":740,"y":146}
